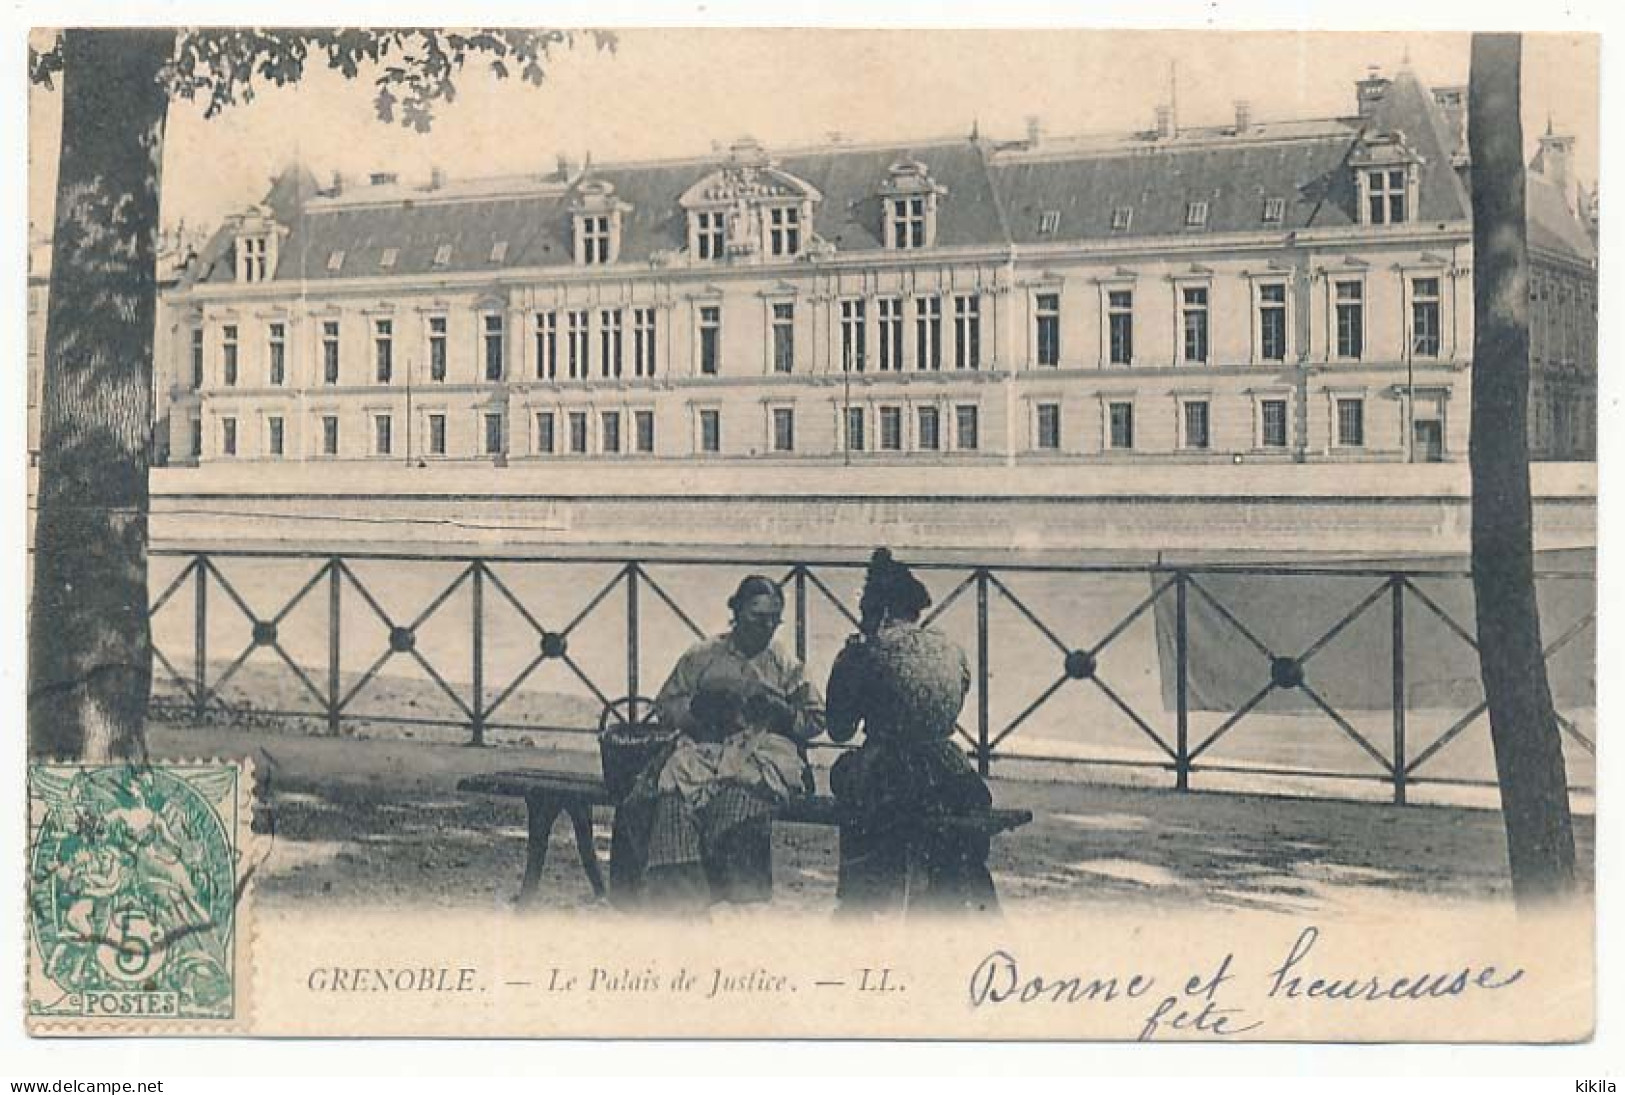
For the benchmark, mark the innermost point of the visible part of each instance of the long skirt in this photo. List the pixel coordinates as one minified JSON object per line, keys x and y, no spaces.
{"x":669,"y":856}
{"x":891,"y":858}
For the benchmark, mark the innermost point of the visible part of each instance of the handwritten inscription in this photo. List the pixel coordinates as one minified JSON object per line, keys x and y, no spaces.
{"x":1197,"y":1008}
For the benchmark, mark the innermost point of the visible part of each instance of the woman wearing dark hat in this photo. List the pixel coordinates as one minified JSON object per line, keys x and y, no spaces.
{"x":703,"y":811}
{"x":904,"y":684}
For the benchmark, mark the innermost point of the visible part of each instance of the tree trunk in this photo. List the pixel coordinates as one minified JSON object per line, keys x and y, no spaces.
{"x":90,"y":659}
{"x":1523,"y":722}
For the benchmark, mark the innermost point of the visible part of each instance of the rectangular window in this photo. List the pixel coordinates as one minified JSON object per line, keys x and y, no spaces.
{"x":967,"y":427}
{"x":330,"y":435}
{"x":711,"y":431}
{"x":891,"y":429}
{"x":784,"y":232}
{"x":609,"y":431}
{"x":1385,"y":195}
{"x":643,"y":342}
{"x":908,"y":223}
{"x":854,"y":332}
{"x":1274,"y":210}
{"x":1120,"y":318}
{"x":784,"y":338}
{"x":595,"y":239}
{"x":1272,"y":423}
{"x":274,"y":437}
{"x":442,"y":255}
{"x":1122,"y":218}
{"x":253,"y":259}
{"x":710,"y":339}
{"x":891,"y":333}
{"x":547,"y":345}
{"x":228,"y":437}
{"x":1272,"y":322}
{"x":545,"y":440}
{"x":609,"y":341}
{"x":493,"y":434}
{"x":579,"y":359}
{"x":330,"y":351}
{"x":197,"y":358}
{"x":928,"y":333}
{"x":1351,"y":423}
{"x":197,"y":438}
{"x":383,"y":349}
{"x":928,"y":438}
{"x":1195,"y":414}
{"x":1120,"y":420}
{"x":1194,"y":321}
{"x":968,"y":331}
{"x":277,"y":344}
{"x":437,"y":435}
{"x":493,"y":347}
{"x":578,"y":431}
{"x":784,"y":429}
{"x":854,"y":429}
{"x":228,"y":355}
{"x":1425,"y":317}
{"x":437,"y":348}
{"x":382,"y":428}
{"x":643,"y":430}
{"x":1350,"y":319}
{"x":1049,"y":426}
{"x":1196,"y":214}
{"x":709,"y":235}
{"x":1047,"y":310}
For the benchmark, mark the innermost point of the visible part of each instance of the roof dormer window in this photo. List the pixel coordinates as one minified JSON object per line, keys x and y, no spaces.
{"x":1274,"y":210}
{"x":251,"y":265}
{"x":256,"y":240}
{"x":910,"y":200}
{"x":1196,"y":214}
{"x":598,"y":214}
{"x":1385,"y":196}
{"x":1122,"y":218}
{"x":1386,"y":174}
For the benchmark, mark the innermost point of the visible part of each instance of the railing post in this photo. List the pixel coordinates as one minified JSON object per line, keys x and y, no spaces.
{"x":984,"y":746}
{"x":632,"y":714}
{"x":801,"y":613}
{"x":1396,"y":586}
{"x":335,"y":599}
{"x":477,"y":651}
{"x":1182,"y":726}
{"x":200,"y":641}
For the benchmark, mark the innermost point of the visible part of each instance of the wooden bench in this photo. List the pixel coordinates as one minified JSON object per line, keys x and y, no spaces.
{"x":548,"y":794}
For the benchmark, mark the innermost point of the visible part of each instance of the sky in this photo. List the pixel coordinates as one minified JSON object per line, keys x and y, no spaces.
{"x":675,"y":92}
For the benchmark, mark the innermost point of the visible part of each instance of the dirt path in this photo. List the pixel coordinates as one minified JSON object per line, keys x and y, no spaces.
{"x":379,"y":822}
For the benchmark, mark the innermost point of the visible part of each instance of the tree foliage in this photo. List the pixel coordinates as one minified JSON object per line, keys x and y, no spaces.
{"x":414,"y":70}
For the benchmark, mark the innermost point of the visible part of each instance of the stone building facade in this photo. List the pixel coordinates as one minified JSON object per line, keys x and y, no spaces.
{"x":1257,"y":292}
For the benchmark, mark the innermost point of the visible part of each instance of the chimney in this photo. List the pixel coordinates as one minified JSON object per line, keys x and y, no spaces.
{"x":437,"y":178}
{"x":1035,"y":131}
{"x":1370,"y":92}
{"x":1452,"y":103}
{"x":1244,"y":115}
{"x":566,"y":167}
{"x":1165,"y":122}
{"x":338,"y":183}
{"x":1557,"y":161}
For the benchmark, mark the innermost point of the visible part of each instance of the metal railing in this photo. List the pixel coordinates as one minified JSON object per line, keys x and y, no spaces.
{"x":486,"y":581}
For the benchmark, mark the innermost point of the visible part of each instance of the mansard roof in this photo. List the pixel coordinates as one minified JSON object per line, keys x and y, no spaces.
{"x":990,"y":195}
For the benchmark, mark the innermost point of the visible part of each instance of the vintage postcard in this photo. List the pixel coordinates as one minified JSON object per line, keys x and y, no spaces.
{"x":909,"y":534}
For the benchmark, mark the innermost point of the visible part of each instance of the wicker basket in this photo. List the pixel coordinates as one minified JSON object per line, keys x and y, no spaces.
{"x":626,"y":748}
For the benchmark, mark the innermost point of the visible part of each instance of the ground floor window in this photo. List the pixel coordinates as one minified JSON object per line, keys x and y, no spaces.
{"x":1351,"y":422}
{"x":784,"y":429}
{"x":967,"y":427}
{"x":1048,"y":426}
{"x":1120,"y":424}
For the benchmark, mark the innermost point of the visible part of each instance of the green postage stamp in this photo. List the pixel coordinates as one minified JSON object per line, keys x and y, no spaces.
{"x":137,"y":880}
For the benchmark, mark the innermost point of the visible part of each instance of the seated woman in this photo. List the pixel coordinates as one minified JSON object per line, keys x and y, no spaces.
{"x":697,"y":825}
{"x":904,"y":684}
